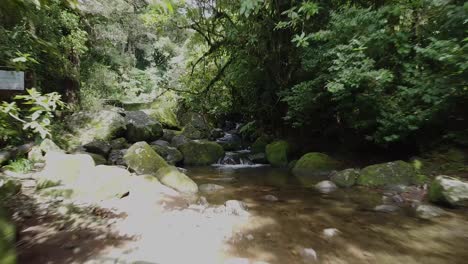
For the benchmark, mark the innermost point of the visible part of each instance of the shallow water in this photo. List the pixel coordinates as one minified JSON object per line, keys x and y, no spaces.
{"x":282,"y":229}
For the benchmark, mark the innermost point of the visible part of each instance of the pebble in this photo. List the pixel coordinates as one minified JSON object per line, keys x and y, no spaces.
{"x":330,"y":232}
{"x":270,"y":198}
{"x":386,"y":208}
{"x":309,"y":254}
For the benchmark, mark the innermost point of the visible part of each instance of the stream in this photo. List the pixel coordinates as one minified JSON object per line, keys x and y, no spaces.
{"x":279,"y":231}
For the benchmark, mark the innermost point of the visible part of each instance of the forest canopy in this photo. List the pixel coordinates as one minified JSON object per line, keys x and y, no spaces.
{"x":382,"y":72}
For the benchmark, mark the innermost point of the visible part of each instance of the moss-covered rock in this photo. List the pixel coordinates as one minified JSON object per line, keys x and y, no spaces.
{"x":170,"y":154}
{"x":7,"y":239}
{"x":141,"y":158}
{"x":101,"y":125}
{"x":98,"y":147}
{"x":260,"y":144}
{"x":315,"y":163}
{"x":449,"y":190}
{"x":57,"y":191}
{"x":277,"y":153}
{"x":191,"y":132}
{"x":98,"y":159}
{"x":201,"y":152}
{"x":141,"y":128}
{"x":172,"y":177}
{"x":390,"y":173}
{"x":165,"y":116}
{"x":345,"y":178}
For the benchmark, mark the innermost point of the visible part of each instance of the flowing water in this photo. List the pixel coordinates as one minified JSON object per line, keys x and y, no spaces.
{"x":279,"y":231}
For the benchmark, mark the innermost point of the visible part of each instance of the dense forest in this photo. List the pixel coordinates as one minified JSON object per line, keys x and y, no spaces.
{"x":311,"y":89}
{"x":375,"y":72}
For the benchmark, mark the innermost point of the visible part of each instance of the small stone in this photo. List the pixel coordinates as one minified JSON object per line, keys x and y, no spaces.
{"x":325,"y":186}
{"x":209,"y":188}
{"x":386,"y":208}
{"x":249,"y":237}
{"x":270,"y":198}
{"x":234,"y":207}
{"x":203,"y":201}
{"x":426,"y":211}
{"x":330,"y":232}
{"x":309,"y":254}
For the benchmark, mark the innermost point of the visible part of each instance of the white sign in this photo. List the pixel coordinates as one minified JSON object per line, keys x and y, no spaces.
{"x":11,"y":80}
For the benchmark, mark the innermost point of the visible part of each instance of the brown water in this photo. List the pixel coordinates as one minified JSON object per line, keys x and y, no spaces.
{"x":282,"y":229}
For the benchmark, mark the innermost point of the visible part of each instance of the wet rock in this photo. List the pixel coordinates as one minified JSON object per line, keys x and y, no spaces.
{"x":449,"y":190}
{"x":201,"y":152}
{"x":216,"y":133}
{"x":230,"y":141}
{"x":316,"y":164}
{"x":141,"y":158}
{"x":169,"y":134}
{"x":330,"y":232}
{"x":426,"y":211}
{"x":325,"y":186}
{"x":384,"y":174}
{"x":98,"y":147}
{"x":277,"y":153}
{"x":260,"y":144}
{"x":141,"y":128}
{"x":345,"y":178}
{"x":386,"y":208}
{"x":308,"y":254}
{"x":161,"y":142}
{"x":258,"y":158}
{"x":234,"y":207}
{"x":172,"y":177}
{"x":270,"y":198}
{"x":209,"y":188}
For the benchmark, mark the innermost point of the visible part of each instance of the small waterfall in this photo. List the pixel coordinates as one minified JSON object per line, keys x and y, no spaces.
{"x":235,"y":158}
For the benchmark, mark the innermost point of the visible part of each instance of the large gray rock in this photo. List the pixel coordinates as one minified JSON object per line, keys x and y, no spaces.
{"x":98,"y":147}
{"x":179,"y":140}
{"x":141,"y":128}
{"x":201,"y":152}
{"x":172,"y":177}
{"x":345,"y":178}
{"x":170,"y":154}
{"x":390,"y":173}
{"x":141,"y":158}
{"x":449,"y":190}
{"x":426,"y":211}
{"x":102,"y":125}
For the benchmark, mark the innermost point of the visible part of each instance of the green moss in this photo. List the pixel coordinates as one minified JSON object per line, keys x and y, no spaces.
{"x":435,"y":193}
{"x":420,"y":179}
{"x":315,"y":163}
{"x":277,"y":153}
{"x":141,"y":158}
{"x":260,"y":144}
{"x":57,"y":192}
{"x":44,"y":184}
{"x":8,"y":187}
{"x":201,"y":152}
{"x":397,"y":172}
{"x":345,"y":178}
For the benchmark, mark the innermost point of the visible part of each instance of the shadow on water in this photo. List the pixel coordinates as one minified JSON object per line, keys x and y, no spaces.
{"x":282,"y":229}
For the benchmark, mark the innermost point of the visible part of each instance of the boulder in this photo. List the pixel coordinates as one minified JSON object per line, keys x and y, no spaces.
{"x":259,"y":158}
{"x":161,"y":142}
{"x":116,"y":157}
{"x":191,"y":132}
{"x":390,"y":173}
{"x":169,"y":134}
{"x":98,"y":147}
{"x":119,"y":143}
{"x":66,"y":168}
{"x":102,"y":125}
{"x":201,"y":152}
{"x":142,"y":159}
{"x":210,"y":187}
{"x":237,"y":208}
{"x":165,"y":116}
{"x":260,"y":144}
{"x":230,"y":142}
{"x":449,"y":190}
{"x":197,"y":121}
{"x":179,"y":140}
{"x":315,"y":164}
{"x":7,"y":239}
{"x":216,"y":133}
{"x":345,"y":178}
{"x":141,"y":128}
{"x":169,"y":154}
{"x":277,"y":153}
{"x":325,"y":186}
{"x":426,"y":211}
{"x":172,"y":177}
{"x":36,"y":154}
{"x":98,"y":159}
